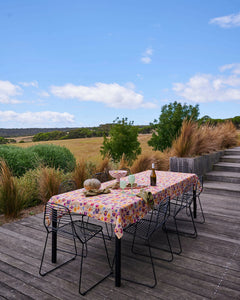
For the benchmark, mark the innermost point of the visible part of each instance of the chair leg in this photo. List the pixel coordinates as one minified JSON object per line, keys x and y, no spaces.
{"x":101,"y":280}
{"x":109,"y":235}
{"x":158,"y":248}
{"x":44,"y":251}
{"x":153,"y":270}
{"x":194,"y":234}
{"x":179,"y":241}
{"x":203,"y":217}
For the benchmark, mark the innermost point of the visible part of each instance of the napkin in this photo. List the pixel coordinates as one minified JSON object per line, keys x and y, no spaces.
{"x":95,"y":192}
{"x":147,"y":197}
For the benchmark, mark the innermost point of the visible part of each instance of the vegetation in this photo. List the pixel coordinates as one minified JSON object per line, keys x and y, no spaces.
{"x":19,"y":160}
{"x":31,"y":175}
{"x":167,"y":128}
{"x":123,"y":140}
{"x":194,"y":140}
{"x":11,"y":201}
{"x":47,"y":136}
{"x":49,"y":181}
{"x":54,"y":156}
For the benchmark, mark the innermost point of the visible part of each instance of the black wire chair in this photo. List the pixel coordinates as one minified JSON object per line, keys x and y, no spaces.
{"x":144,"y":229}
{"x":198,"y":193}
{"x":101,"y":176}
{"x":67,"y":186}
{"x":58,"y":221}
{"x":181,"y":203}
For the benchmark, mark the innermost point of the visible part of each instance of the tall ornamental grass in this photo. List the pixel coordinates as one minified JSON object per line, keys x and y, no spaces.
{"x":194,"y":140}
{"x":49,"y":181}
{"x":80,"y":174}
{"x":11,"y":200}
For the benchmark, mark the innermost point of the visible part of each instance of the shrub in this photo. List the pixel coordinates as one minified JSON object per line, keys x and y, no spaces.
{"x":167,"y":128}
{"x":19,"y":160}
{"x":54,"y":156}
{"x":123,"y":140}
{"x":11,"y":201}
{"x":49,"y":181}
{"x":28,"y":183}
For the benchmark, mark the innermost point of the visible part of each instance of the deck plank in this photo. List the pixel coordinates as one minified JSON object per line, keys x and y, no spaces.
{"x":208,"y":267}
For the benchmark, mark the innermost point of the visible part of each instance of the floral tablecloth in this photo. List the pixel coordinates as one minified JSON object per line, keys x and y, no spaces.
{"x":120,"y":208}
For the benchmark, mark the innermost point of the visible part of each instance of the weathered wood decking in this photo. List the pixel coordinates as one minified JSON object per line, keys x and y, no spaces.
{"x":208,"y":268}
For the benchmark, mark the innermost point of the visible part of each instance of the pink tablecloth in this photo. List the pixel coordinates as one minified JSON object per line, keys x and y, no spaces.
{"x":120,"y":208}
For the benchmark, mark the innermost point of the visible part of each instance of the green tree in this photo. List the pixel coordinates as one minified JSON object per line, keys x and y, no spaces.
{"x":167,"y":128}
{"x":123,"y":139}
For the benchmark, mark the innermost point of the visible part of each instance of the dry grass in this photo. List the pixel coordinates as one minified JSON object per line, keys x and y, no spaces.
{"x":195,"y":140}
{"x":79,"y":175}
{"x":88,"y":148}
{"x":49,"y":181}
{"x":11,"y":199}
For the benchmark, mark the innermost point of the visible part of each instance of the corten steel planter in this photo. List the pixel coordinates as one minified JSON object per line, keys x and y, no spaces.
{"x":199,"y":165}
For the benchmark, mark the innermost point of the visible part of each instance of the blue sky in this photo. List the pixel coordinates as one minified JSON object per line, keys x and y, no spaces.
{"x":83,"y":63}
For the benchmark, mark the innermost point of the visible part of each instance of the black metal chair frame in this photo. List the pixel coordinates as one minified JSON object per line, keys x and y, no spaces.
{"x":145,"y":228}
{"x":67,"y":186}
{"x":184,"y":202}
{"x":58,"y":220}
{"x":198,"y":193}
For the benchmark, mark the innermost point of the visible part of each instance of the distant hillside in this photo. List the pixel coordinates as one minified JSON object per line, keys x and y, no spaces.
{"x":15,"y":132}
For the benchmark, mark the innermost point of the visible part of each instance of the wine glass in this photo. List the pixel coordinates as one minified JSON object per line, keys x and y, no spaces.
{"x":131,"y":179}
{"x":123,"y":184}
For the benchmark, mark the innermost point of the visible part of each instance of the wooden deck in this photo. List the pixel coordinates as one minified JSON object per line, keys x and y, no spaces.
{"x":208,"y":268}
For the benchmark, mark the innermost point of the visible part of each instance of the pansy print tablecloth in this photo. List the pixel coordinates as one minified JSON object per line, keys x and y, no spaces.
{"x":120,"y":208}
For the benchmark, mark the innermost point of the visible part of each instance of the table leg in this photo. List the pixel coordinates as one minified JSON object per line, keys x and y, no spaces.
{"x":54,"y":236}
{"x":117,"y":262}
{"x":194,"y":204}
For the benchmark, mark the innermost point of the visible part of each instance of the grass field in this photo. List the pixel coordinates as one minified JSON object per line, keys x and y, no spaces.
{"x":88,"y":148}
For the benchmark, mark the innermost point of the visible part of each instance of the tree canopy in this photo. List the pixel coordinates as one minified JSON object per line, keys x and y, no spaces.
{"x":167,"y":127}
{"x":123,"y":139}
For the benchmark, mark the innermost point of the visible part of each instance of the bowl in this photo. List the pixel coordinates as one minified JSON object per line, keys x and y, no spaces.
{"x":118,"y":174}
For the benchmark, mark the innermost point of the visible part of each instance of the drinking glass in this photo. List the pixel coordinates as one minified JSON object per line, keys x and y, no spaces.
{"x":131,"y":179}
{"x":123,"y":184}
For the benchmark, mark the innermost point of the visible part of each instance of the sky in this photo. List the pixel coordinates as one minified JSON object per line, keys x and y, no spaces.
{"x":81,"y":63}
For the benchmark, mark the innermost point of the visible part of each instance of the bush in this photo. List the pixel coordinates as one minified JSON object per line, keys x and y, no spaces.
{"x":19,"y":160}
{"x":167,"y":128}
{"x":55,"y":157}
{"x":123,"y":140}
{"x":11,"y":201}
{"x":29,"y":184}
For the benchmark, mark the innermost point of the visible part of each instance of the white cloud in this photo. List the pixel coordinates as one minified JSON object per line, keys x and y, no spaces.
{"x":207,"y":87}
{"x":228,"y":21}
{"x":234,"y":68}
{"x":146,"y":57}
{"x":43,"y":94}
{"x":33,"y":83}
{"x":42,"y":119}
{"x":8,"y":90}
{"x":113,"y":95}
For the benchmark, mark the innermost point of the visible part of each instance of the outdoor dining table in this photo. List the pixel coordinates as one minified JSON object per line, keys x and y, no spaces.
{"x":122,"y":209}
